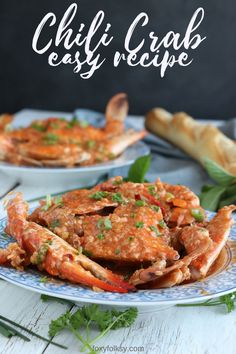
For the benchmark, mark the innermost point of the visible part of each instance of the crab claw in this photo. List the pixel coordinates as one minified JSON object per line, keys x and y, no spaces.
{"x":218,"y":228}
{"x":196,"y":241}
{"x":116,"y":112}
{"x":49,"y":252}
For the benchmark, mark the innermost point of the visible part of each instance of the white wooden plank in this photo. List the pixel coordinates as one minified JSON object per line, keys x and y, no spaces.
{"x":26,"y":308}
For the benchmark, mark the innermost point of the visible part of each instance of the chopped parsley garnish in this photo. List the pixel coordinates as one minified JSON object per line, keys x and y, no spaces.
{"x":132,"y":215}
{"x":130,"y":238}
{"x":140,"y":203}
{"x":152,"y":190}
{"x":42,"y":252}
{"x":107,"y":224}
{"x":80,"y":250}
{"x":155,"y":229}
{"x":83,"y":123}
{"x":50,"y":139}
{"x":73,"y":122}
{"x":91,"y":144}
{"x":139,"y":224}
{"x":54,"y":125}
{"x":169,"y":196}
{"x":38,"y":127}
{"x":117,"y":251}
{"x":87,"y":253}
{"x":43,"y":279}
{"x":99,"y":195}
{"x":117,"y":197}
{"x":197,"y":214}
{"x":58,"y":201}
{"x":100,"y":223}
{"x":156,"y":208}
{"x":101,"y":236}
{"x":55,"y":223}
{"x":48,"y":203}
{"x":162,"y":223}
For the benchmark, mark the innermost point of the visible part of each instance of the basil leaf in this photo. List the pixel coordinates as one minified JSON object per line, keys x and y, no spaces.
{"x":217,"y":173}
{"x":227,"y":201}
{"x":230,"y":190}
{"x":211,"y":198}
{"x":139,"y":169}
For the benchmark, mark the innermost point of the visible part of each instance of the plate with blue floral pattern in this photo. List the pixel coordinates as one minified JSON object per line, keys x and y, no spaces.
{"x":220,"y":282}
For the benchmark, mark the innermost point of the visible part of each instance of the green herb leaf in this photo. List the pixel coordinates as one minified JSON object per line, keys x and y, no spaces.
{"x":83,"y":123}
{"x":140,"y":203}
{"x":107,"y":224}
{"x":217,"y":173}
{"x":48,"y":203}
{"x":100,"y":236}
{"x":92,"y":315}
{"x":124,"y":318}
{"x":91,"y":144}
{"x":99,"y":195}
{"x":139,"y":169}
{"x":227,"y":201}
{"x":227,"y":300}
{"x":59,"y":324}
{"x":155,"y":229}
{"x":50,"y":139}
{"x":117,"y":197}
{"x":139,"y":224}
{"x":197,"y":214}
{"x":55,"y":223}
{"x":38,"y":127}
{"x":58,"y":200}
{"x":211,"y":198}
{"x":152,"y":190}
{"x":162,"y":223}
{"x":73,"y":122}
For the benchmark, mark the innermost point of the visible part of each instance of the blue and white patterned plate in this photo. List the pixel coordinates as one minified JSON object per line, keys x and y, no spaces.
{"x":213,"y":286}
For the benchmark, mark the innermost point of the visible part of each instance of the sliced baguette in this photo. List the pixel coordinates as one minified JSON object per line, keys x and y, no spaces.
{"x":196,"y":139}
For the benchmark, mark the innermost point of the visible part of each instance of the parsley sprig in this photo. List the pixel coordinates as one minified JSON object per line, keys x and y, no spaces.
{"x":227,"y":300}
{"x":90,"y":316}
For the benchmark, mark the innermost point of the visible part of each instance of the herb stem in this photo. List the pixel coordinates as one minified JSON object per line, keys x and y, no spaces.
{"x":103,"y":333}
{"x":85,"y":344}
{"x":32,"y":333}
{"x":13,"y":331}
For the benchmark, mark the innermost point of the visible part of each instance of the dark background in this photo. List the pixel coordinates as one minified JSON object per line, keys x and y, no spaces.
{"x":206,"y":88}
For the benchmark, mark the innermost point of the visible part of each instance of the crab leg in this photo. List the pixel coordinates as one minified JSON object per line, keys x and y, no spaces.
{"x":57,"y":257}
{"x":13,"y":255}
{"x":5,"y":120}
{"x":218,"y":228}
{"x":119,"y":143}
{"x":175,"y":277}
{"x":192,"y":235}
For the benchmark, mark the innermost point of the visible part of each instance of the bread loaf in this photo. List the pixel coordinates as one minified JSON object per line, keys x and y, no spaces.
{"x":196,"y":139}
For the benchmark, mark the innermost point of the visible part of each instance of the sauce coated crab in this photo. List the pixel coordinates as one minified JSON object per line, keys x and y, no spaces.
{"x":154,"y":234}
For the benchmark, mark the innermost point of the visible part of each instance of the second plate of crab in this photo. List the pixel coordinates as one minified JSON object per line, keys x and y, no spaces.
{"x":120,"y":243}
{"x":70,"y":150}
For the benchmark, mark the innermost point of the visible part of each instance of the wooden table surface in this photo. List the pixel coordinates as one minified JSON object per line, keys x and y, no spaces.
{"x":171,"y":330}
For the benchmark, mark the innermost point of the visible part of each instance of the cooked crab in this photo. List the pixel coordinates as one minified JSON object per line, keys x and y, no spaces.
{"x":156,"y":232}
{"x":57,"y":142}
